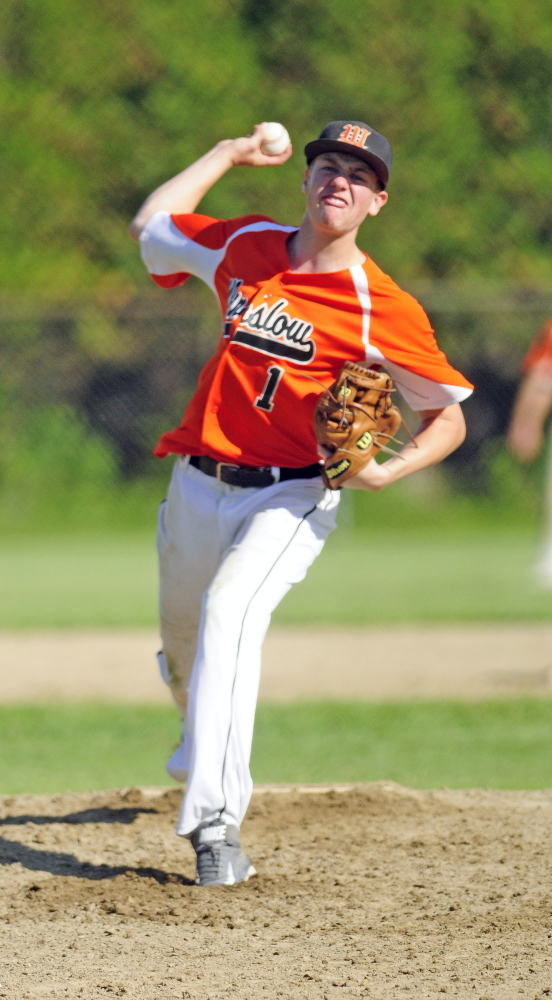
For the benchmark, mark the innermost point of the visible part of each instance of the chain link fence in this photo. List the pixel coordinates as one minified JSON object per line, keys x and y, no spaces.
{"x":87,"y":387}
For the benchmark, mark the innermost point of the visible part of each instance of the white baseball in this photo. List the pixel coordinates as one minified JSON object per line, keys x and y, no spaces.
{"x":275,"y":139}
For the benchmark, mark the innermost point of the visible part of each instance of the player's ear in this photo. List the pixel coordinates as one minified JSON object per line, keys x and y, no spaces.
{"x":378,"y":202}
{"x":305,"y":180}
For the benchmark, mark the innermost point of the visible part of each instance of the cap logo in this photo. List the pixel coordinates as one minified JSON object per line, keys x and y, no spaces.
{"x":355,"y":135}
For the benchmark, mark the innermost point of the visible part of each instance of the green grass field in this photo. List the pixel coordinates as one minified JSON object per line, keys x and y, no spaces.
{"x":423,"y":575}
{"x":103,"y":580}
{"x":420,"y":576}
{"x":506,"y":744}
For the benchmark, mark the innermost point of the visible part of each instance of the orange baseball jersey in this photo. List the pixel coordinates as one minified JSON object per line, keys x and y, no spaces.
{"x":284,"y":333}
{"x":539,"y":354}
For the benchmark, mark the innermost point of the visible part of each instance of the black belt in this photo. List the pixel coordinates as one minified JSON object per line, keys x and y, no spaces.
{"x":251,"y":476}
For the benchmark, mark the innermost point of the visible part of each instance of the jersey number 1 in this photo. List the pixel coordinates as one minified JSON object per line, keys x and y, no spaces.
{"x":266,"y":400}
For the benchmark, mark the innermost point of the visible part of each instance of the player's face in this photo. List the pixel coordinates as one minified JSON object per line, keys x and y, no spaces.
{"x":341,"y":191}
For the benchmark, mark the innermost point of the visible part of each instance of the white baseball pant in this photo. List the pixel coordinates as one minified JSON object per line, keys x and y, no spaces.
{"x":227,"y":557}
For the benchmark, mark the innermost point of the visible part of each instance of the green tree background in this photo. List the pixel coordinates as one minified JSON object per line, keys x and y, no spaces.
{"x":99,"y":103}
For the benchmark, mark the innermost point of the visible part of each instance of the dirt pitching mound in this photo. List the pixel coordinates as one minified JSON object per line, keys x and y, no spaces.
{"x":363,"y":891}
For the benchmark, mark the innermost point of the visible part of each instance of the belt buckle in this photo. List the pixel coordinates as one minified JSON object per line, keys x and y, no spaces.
{"x":226,"y":465}
{"x":237,"y":469}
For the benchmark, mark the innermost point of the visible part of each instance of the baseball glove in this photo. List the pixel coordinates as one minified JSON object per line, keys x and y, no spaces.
{"x":353,"y":420}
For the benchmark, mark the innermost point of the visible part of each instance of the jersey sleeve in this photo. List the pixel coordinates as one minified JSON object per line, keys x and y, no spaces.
{"x":173,"y":247}
{"x":401,"y":331}
{"x":539,"y":355}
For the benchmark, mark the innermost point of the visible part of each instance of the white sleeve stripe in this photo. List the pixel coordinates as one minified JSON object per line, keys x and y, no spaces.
{"x":167,"y":250}
{"x":360,"y":281}
{"x":260,"y":227}
{"x":420,"y":392}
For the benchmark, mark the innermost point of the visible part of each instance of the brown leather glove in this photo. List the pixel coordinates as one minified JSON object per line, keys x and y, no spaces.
{"x":353,"y":420}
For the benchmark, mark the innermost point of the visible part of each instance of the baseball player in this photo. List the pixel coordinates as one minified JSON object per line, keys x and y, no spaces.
{"x":526,"y":432}
{"x":247,"y":511}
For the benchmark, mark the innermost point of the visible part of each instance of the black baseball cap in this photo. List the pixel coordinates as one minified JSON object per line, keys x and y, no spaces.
{"x":358,"y":139}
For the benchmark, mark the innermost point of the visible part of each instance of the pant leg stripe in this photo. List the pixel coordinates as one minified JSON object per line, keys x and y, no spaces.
{"x":251,"y":599}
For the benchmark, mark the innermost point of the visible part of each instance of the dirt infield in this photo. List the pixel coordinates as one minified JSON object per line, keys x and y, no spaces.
{"x":377,"y":663}
{"x":370,"y":891}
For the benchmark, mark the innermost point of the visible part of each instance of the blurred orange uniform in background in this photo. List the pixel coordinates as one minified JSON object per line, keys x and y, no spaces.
{"x":526,"y":433}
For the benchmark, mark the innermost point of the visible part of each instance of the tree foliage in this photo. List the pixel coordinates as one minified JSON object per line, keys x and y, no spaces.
{"x":101,"y":102}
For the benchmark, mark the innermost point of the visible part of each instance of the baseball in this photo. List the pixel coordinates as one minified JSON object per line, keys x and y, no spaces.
{"x":276,"y":139}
